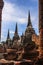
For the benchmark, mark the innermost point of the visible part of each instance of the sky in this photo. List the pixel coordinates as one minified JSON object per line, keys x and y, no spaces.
{"x":17,"y":11}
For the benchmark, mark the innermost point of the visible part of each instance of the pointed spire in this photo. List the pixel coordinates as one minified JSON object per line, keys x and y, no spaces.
{"x":16,"y":29}
{"x":16,"y":36}
{"x":29,"y":20}
{"x":8,"y":36}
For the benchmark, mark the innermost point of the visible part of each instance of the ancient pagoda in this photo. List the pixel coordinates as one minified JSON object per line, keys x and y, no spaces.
{"x":8,"y":40}
{"x":16,"y":36}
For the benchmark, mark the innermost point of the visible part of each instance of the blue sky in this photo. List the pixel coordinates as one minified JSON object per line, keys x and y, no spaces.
{"x":17,"y":11}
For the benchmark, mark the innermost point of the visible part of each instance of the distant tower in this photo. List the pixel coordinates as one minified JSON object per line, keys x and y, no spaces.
{"x":16,"y":36}
{"x":29,"y":20}
{"x":8,"y":36}
{"x":16,"y":30}
{"x":29,"y":30}
{"x":8,"y":41}
{"x":41,"y":27}
{"x":1,"y":7}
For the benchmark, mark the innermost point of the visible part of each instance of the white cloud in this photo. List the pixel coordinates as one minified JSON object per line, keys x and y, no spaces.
{"x":12,"y":13}
{"x":11,"y":32}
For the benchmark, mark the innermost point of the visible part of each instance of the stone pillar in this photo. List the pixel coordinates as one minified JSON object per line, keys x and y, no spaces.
{"x":1,"y":7}
{"x":41,"y":27}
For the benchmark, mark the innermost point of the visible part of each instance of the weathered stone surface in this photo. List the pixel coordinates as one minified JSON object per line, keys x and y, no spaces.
{"x":41,"y":26}
{"x":1,"y":6}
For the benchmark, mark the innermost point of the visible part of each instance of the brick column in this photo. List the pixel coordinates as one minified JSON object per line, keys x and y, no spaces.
{"x":1,"y":7}
{"x":41,"y":27}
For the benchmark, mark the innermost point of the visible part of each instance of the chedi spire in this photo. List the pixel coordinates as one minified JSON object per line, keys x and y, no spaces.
{"x":29,"y":20}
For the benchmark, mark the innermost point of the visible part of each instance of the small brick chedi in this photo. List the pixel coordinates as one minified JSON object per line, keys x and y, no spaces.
{"x":1,"y":7}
